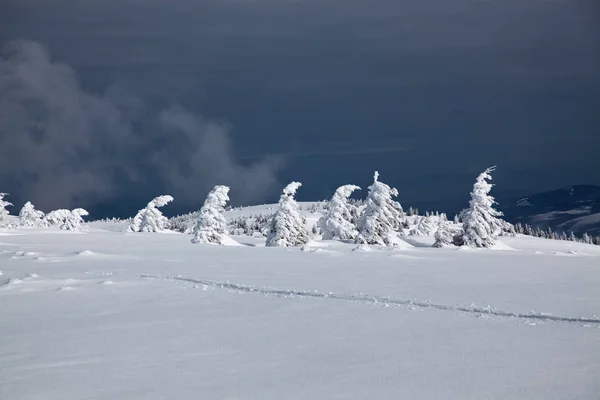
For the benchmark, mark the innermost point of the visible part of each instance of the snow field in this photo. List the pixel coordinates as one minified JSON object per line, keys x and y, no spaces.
{"x":106,"y":314}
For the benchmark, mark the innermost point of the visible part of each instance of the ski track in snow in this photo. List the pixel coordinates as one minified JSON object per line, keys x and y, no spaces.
{"x":380,"y":300}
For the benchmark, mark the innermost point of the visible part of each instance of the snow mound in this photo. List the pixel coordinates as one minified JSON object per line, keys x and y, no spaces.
{"x":13,"y":281}
{"x":228,"y":241}
{"x":86,"y":253}
{"x":502,"y":246}
{"x":20,"y":254}
{"x":363,"y":247}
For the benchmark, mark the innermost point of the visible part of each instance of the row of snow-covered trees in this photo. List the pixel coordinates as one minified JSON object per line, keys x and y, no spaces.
{"x":383,"y":222}
{"x":30,"y":217}
{"x":550,"y":234}
{"x":379,"y":221}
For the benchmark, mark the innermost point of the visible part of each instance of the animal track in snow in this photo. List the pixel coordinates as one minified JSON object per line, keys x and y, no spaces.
{"x":381,"y":300}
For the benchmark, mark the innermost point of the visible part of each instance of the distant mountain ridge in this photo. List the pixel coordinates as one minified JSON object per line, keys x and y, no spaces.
{"x":574,"y":208}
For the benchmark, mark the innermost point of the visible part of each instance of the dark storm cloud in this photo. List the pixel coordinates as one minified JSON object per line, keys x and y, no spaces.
{"x":62,"y":145}
{"x":458,"y":84}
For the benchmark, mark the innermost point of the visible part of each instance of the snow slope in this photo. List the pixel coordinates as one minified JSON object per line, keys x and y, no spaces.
{"x":107,"y":315}
{"x":574,"y":208}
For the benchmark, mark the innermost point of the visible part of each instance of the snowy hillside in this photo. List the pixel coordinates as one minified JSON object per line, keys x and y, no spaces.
{"x":575,"y":208}
{"x":103,"y":314}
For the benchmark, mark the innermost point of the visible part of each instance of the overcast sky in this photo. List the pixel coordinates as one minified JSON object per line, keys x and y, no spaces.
{"x":106,"y":103}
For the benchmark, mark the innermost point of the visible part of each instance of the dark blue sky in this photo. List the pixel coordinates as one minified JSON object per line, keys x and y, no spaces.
{"x":108,"y":103}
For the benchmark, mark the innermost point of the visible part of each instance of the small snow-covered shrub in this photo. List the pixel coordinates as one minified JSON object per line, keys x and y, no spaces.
{"x":29,"y":216}
{"x":184,"y":223}
{"x":251,"y":225}
{"x":115,"y":220}
{"x":69,"y":220}
{"x":56,"y":217}
{"x":425,"y":226}
{"x":443,"y":235}
{"x":317,"y":207}
{"x":74,"y":219}
{"x":3,"y":211}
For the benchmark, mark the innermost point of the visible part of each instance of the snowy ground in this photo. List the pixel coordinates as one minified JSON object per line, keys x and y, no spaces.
{"x":108,"y":315}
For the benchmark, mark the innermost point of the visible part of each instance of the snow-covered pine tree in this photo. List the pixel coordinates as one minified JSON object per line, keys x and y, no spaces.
{"x":74,"y":219}
{"x":29,"y":216}
{"x":382,"y":220}
{"x":425,"y":226}
{"x":150,"y":219}
{"x":456,"y":219}
{"x":3,"y":211}
{"x":538,"y":232}
{"x":586,"y":238}
{"x":337,"y":222}
{"x":562,"y":236}
{"x":288,"y":227}
{"x":572,"y":237}
{"x":481,"y":225}
{"x":211,"y":226}
{"x":443,"y":235}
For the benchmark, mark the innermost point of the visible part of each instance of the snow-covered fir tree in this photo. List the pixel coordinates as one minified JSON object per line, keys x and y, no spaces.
{"x":443,"y":234}
{"x":3,"y":211}
{"x":211,"y":226}
{"x":74,"y":219}
{"x":29,"y":216}
{"x":288,"y":227}
{"x":586,"y":238}
{"x":150,"y":219}
{"x":337,"y":222}
{"x":382,"y":220}
{"x":425,"y":226}
{"x":562,"y":236}
{"x":481,"y":225}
